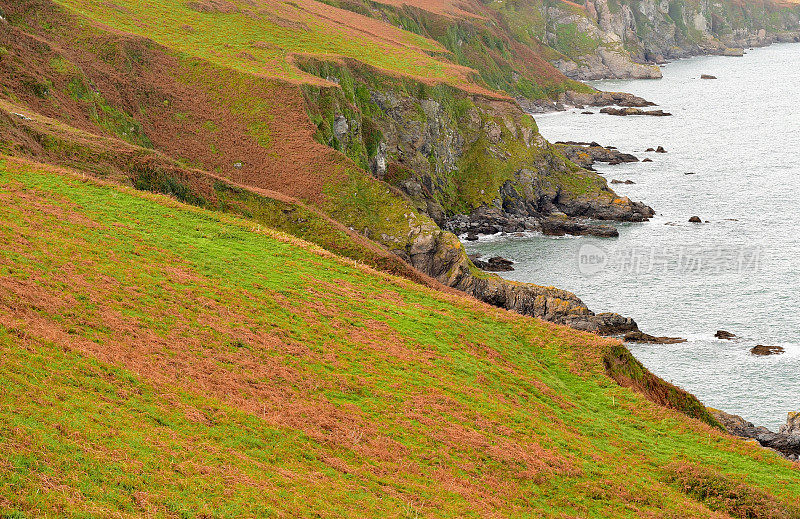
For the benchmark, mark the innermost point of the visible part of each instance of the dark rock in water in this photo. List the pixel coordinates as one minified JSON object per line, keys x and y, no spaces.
{"x":644,"y":337}
{"x":495,"y":264}
{"x":786,"y":444}
{"x":634,"y":111}
{"x":587,"y":113}
{"x":605,"y":323}
{"x":690,"y":173}
{"x":650,"y":149}
{"x":661,"y":149}
{"x":472,"y":237}
{"x":762,"y":351}
{"x":733,"y":52}
{"x":647,"y":160}
{"x":722,"y":334}
{"x":579,"y":99}
{"x":695,"y":219}
{"x":561,"y":226}
{"x":615,"y":181}
{"x":792,"y":425}
{"x":708,"y":76}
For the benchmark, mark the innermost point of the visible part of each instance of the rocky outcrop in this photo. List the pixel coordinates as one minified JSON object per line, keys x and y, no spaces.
{"x":488,"y":221}
{"x":581,"y":100}
{"x":585,"y":154}
{"x":788,"y":444}
{"x":792,"y":425}
{"x":634,"y":111}
{"x":590,"y":45}
{"x":651,"y":339}
{"x":494,"y":264}
{"x":441,"y":255}
{"x":559,"y":226}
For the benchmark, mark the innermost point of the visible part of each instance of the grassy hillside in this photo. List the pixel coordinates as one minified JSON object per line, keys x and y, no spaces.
{"x":162,"y":360}
{"x":78,"y":90}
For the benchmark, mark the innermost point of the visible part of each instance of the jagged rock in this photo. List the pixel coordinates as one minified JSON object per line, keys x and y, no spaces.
{"x":661,"y":149}
{"x":585,"y":154}
{"x":606,"y":323}
{"x":792,"y":425}
{"x":615,"y":181}
{"x":707,"y":76}
{"x":561,"y":226}
{"x":722,"y":334}
{"x":637,"y":336}
{"x":762,"y":351}
{"x":495,"y":264}
{"x":736,"y":53}
{"x":606,"y":62}
{"x":340,"y":128}
{"x":600,"y":99}
{"x":634,"y":111}
{"x":695,"y":219}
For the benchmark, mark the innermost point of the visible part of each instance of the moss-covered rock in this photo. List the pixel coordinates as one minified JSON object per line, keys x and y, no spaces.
{"x":454,"y":153}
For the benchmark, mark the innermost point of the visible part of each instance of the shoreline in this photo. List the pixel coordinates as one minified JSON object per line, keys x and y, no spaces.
{"x":607,"y":172}
{"x":540,"y":107}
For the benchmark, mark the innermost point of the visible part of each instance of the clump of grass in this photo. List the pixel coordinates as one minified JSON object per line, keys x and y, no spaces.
{"x":623,"y":367}
{"x":728,"y":494}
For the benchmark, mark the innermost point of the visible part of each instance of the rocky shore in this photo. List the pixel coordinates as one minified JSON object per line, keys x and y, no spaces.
{"x":582,"y":100}
{"x":786,"y":441}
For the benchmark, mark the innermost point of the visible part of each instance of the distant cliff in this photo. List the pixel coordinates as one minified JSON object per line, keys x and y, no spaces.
{"x":624,"y":38}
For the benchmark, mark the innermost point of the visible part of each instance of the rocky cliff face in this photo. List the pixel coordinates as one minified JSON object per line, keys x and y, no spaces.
{"x":623,"y":38}
{"x":469,"y":163}
{"x":455,"y":154}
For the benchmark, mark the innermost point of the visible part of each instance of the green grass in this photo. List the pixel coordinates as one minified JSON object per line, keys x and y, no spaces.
{"x":260,"y":37}
{"x":165,"y":360}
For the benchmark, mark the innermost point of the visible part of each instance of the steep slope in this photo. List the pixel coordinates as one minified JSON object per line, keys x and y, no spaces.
{"x":165,"y":360}
{"x":242,"y":117}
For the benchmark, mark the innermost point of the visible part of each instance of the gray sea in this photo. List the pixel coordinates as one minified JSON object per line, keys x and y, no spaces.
{"x":733,"y":159}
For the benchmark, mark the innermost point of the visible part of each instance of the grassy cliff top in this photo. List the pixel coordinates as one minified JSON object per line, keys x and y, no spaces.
{"x":262,"y":36}
{"x":166,"y":361}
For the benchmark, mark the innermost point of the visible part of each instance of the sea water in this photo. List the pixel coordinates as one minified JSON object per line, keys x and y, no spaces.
{"x":733,"y":159}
